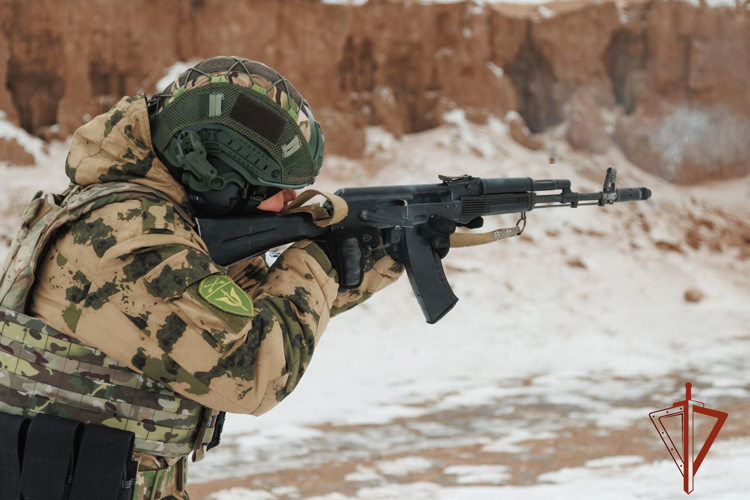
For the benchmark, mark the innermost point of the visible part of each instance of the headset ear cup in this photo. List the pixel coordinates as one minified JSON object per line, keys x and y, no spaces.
{"x":317,"y":141}
{"x":192,"y":158}
{"x":320,"y":149}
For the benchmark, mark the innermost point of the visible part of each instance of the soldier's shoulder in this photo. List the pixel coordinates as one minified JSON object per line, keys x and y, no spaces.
{"x":154,"y":216}
{"x":120,"y":221}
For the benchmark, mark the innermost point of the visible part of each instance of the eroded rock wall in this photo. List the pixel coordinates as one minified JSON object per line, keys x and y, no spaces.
{"x":403,"y":64}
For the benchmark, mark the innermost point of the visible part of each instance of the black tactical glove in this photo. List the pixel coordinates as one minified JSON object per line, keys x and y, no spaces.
{"x":438,"y":230}
{"x":348,"y":251}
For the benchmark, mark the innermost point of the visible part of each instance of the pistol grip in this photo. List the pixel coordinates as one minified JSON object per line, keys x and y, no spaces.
{"x":427,"y":277}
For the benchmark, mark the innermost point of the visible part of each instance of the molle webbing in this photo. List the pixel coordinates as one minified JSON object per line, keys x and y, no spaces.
{"x":250,"y":113}
{"x":45,"y":371}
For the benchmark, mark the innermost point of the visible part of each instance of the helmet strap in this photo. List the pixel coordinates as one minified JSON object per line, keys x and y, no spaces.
{"x":252,"y":201}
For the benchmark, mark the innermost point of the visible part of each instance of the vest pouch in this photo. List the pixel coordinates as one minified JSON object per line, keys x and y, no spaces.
{"x":64,"y":459}
{"x":49,"y":457}
{"x":13,"y":430}
{"x":104,"y":467}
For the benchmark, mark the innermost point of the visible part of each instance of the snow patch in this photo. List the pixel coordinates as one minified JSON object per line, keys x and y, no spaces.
{"x":619,"y":418}
{"x":242,"y":494}
{"x":512,"y":115}
{"x":545,"y":12}
{"x":617,"y":461}
{"x":496,"y":70}
{"x":524,"y":2}
{"x":509,"y":444}
{"x":33,"y":145}
{"x":479,"y":4}
{"x":290,"y":491}
{"x":403,"y":466}
{"x":363,"y":474}
{"x":731,"y":4}
{"x":377,"y":139}
{"x":477,"y":474}
{"x":622,"y":12}
{"x":444,"y":52}
{"x":455,"y":117}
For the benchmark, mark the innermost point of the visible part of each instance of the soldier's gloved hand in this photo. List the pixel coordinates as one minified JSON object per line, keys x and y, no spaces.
{"x":438,"y":230}
{"x":348,"y":251}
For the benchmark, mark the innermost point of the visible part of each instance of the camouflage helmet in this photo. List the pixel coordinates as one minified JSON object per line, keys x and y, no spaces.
{"x":234,"y":131}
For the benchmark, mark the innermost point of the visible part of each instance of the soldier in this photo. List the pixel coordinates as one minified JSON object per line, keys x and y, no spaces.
{"x":140,"y":331}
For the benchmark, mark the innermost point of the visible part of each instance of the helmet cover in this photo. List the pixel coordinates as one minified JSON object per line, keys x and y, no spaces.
{"x":246,"y":115}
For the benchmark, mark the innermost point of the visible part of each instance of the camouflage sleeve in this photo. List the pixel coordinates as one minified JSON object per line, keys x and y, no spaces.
{"x":232,"y":352}
{"x":380,"y":271}
{"x":249,"y":273}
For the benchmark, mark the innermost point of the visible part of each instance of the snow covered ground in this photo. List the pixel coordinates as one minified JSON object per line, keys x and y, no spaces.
{"x":540,"y":381}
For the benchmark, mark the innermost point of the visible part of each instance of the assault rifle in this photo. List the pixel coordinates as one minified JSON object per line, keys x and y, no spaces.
{"x":390,"y":216}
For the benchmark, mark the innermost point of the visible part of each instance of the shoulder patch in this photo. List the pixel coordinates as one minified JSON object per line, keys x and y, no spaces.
{"x":223,"y":293}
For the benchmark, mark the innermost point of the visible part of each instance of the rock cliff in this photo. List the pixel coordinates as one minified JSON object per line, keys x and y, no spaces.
{"x":664,"y":80}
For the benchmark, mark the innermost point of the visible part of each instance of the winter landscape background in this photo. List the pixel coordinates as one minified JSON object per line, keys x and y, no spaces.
{"x":539,"y":383}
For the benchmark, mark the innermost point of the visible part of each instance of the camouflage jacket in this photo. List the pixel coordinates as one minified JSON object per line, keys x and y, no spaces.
{"x":133,"y":279}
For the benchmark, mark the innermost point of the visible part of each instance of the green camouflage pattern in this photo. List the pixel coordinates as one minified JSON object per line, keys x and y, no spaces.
{"x":157,"y":482}
{"x":120,"y":326}
{"x":46,"y":371}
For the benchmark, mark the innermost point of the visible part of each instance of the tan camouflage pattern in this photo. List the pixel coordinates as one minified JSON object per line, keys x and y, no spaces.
{"x":122,"y":278}
{"x":133,"y":267}
{"x":274,"y":90}
{"x":43,"y":217}
{"x":116,"y":147}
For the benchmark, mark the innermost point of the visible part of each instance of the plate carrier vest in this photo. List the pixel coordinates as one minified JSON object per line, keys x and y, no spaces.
{"x":44,"y":371}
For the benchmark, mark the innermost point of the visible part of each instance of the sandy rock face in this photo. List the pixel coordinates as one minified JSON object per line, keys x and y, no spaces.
{"x":520,"y":133}
{"x":347,"y":130}
{"x":400,"y":65}
{"x":687,"y":144}
{"x":13,"y":153}
{"x":587,"y":129}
